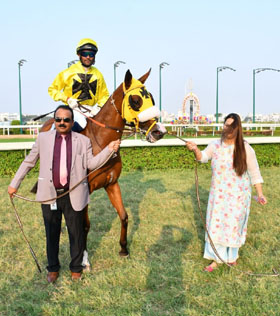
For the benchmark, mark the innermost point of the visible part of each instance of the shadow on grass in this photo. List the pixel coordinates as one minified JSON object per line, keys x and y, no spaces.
{"x":203,"y":197}
{"x":134,"y":189}
{"x":165,"y":281}
{"x":102,"y":214}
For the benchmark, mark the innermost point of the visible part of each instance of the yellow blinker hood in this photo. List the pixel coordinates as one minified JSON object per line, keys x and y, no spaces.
{"x":136,"y":88}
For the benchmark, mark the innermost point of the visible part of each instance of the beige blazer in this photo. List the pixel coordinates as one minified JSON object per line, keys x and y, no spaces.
{"x":82,"y":159}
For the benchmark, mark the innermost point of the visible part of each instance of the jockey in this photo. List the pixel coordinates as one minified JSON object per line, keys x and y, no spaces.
{"x":81,"y":83}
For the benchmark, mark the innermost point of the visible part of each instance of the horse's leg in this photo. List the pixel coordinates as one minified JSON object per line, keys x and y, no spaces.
{"x":85,"y":262}
{"x":114,"y":194}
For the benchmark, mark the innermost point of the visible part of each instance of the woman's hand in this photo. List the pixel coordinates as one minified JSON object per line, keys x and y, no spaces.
{"x":262,"y":200}
{"x":191,"y":146}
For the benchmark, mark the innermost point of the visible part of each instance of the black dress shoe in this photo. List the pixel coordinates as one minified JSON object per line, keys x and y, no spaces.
{"x":52,"y":276}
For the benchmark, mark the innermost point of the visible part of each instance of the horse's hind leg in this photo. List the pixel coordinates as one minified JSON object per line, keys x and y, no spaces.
{"x":85,"y":262}
{"x":114,"y":194}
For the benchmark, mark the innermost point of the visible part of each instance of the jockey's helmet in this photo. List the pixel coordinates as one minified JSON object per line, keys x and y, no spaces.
{"x":87,"y":44}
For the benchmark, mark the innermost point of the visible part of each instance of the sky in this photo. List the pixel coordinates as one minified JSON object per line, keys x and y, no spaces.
{"x":193,"y":37}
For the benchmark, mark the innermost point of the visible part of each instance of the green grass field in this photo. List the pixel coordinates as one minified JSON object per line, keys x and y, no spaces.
{"x":164,"y":273}
{"x":17,"y":140}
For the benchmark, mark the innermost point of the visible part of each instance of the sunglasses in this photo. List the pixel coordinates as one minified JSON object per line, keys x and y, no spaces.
{"x":65,"y":119}
{"x":87,"y":54}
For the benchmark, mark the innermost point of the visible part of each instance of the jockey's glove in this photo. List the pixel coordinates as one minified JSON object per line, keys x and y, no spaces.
{"x":73,"y":103}
{"x":95,"y":109}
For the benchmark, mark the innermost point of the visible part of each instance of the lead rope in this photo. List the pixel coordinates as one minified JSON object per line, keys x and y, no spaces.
{"x":21,"y":228}
{"x":274,"y":274}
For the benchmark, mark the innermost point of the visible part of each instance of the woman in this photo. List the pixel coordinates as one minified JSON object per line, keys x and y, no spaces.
{"x":234,"y":170}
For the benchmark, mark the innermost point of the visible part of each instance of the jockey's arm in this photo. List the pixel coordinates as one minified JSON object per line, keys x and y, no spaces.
{"x":55,"y":89}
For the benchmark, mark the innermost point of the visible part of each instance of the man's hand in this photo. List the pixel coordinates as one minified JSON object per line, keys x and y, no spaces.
{"x":114,"y":145}
{"x":11,"y":191}
{"x":73,"y":103}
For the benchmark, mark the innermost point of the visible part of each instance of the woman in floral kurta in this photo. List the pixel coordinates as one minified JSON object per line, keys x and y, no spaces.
{"x":230,"y":194}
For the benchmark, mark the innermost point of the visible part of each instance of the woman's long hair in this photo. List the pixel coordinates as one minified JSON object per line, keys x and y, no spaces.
{"x":239,"y":154}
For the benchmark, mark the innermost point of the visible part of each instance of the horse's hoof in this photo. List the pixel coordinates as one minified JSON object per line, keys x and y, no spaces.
{"x":124,"y":253}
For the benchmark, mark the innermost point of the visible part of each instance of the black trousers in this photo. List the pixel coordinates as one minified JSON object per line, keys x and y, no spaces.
{"x":76,"y":232}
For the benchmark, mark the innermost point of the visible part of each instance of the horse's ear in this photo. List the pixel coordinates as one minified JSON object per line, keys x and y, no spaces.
{"x":144,"y":77}
{"x":127,"y":79}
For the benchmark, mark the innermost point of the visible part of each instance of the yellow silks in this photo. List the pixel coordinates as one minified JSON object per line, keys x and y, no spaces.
{"x":74,"y":82}
{"x":136,"y":88}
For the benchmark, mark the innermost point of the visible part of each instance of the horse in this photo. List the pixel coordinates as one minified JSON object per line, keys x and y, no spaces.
{"x":129,"y":103}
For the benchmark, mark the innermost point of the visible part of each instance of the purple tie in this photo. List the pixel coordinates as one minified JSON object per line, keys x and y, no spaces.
{"x":63,"y":165}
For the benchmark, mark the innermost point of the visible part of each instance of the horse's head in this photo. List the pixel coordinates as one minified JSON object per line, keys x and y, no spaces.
{"x":138,"y":108}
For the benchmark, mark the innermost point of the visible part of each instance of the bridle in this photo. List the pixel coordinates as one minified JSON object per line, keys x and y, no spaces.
{"x":121,"y":114}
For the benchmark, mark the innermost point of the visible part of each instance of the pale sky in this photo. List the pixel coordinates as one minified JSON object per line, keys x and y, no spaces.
{"x":194,"y":37}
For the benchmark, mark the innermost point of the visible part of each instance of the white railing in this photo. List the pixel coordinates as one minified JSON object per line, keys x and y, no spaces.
{"x":179,"y":128}
{"x":32,"y":129}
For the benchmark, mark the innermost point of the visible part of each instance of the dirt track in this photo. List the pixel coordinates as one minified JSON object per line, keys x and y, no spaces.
{"x":16,"y":136}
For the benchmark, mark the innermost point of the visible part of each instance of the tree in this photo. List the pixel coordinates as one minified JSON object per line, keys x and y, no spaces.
{"x":15,"y":131}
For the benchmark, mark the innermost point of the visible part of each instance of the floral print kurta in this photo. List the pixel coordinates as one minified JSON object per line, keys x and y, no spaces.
{"x":230,"y":195}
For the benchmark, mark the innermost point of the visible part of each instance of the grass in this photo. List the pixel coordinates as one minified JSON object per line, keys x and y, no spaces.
{"x":17,"y":140}
{"x":163,"y":275}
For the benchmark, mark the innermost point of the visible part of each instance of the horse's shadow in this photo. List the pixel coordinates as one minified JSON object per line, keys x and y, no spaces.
{"x":164,"y":259}
{"x":203,"y":196}
{"x":133,"y":196}
{"x":102,"y":214}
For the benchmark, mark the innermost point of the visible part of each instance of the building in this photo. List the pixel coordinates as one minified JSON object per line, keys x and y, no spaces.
{"x":9,"y":117}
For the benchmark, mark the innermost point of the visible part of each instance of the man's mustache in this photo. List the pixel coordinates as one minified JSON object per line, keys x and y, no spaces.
{"x":61,"y":125}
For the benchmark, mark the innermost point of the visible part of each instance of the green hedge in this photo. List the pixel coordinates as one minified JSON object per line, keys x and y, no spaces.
{"x":149,"y":158}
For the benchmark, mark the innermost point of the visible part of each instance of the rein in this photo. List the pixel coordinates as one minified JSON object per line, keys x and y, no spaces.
{"x":274,"y":274}
{"x":117,"y":129}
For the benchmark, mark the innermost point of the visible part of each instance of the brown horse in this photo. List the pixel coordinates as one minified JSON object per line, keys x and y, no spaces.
{"x":130,"y":102}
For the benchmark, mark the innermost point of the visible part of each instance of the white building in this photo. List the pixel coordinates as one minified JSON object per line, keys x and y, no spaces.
{"x":8,"y":117}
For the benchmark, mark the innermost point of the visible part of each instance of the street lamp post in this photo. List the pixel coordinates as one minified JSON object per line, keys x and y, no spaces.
{"x":219,"y":69}
{"x":116,"y":64}
{"x":255,"y":71}
{"x":20,"y":64}
{"x":161,"y":65}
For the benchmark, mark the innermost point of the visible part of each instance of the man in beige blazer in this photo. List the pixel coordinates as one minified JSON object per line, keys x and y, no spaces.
{"x":78,"y":157}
